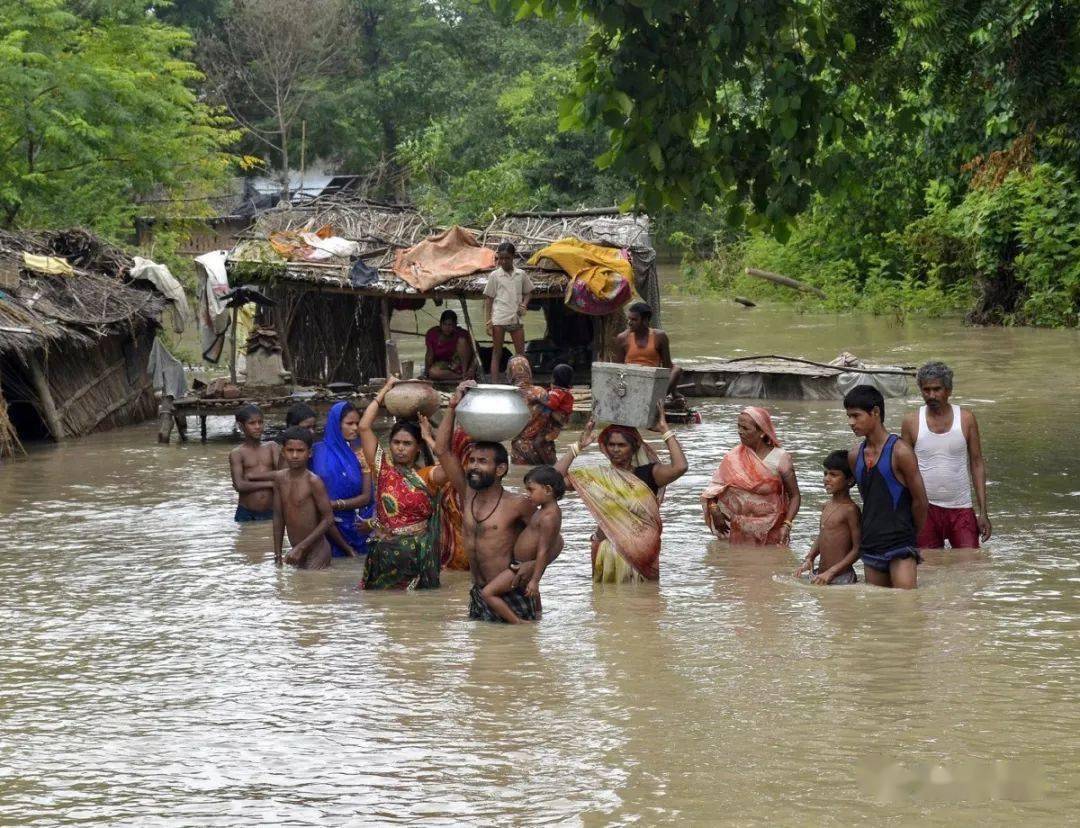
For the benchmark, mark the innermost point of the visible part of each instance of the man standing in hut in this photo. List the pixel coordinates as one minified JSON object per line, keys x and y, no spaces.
{"x":946,"y":441}
{"x":640,"y":344}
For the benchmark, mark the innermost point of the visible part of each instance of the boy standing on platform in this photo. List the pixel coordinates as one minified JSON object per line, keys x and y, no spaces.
{"x":506,"y":299}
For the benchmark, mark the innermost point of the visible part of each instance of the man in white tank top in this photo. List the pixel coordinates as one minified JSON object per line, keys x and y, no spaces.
{"x":946,"y":441}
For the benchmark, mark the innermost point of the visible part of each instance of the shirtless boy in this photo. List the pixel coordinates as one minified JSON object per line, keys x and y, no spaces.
{"x":493,"y":518}
{"x":253,"y":456}
{"x":894,"y":502}
{"x":839,"y":531}
{"x":539,"y":544}
{"x":301,"y":506}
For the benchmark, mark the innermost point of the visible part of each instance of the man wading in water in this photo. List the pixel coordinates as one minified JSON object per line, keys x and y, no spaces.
{"x":946,"y":441}
{"x":893,"y":497}
{"x":493,"y":518}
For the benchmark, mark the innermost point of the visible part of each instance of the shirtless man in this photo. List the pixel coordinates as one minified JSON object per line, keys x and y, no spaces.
{"x":253,"y":456}
{"x":301,"y":506}
{"x":641,"y":345}
{"x":493,"y":518}
{"x":946,"y":441}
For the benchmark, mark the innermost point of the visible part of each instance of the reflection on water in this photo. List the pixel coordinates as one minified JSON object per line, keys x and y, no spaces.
{"x":158,"y":669}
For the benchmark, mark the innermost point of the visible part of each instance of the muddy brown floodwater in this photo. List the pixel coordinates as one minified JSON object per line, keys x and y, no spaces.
{"x":158,"y":670}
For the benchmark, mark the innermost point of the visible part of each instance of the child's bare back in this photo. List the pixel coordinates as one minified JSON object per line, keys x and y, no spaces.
{"x":545,"y":522}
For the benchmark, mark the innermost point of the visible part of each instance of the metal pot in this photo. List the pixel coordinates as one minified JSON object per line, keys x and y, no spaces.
{"x":411,"y":397}
{"x":493,"y":412}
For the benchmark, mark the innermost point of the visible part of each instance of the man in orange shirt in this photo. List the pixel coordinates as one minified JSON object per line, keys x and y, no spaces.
{"x":641,"y":345}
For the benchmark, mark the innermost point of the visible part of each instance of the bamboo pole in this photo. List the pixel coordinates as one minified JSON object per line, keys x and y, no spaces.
{"x":472,"y":338}
{"x":45,"y":397}
{"x":786,"y":281}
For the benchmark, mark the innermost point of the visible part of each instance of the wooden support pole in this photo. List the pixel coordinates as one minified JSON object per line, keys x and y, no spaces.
{"x":393,"y":364}
{"x":49,"y":412}
{"x":232,"y":367}
{"x":202,"y":427}
{"x":472,"y":339}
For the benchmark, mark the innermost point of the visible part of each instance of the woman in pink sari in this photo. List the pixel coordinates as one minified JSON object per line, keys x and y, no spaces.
{"x":753,"y":497}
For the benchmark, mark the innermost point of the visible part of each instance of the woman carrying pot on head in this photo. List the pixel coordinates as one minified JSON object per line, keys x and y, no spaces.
{"x":624,"y":498}
{"x":753,"y":497}
{"x":551,"y":410}
{"x":402,"y":552}
{"x":336,"y":460}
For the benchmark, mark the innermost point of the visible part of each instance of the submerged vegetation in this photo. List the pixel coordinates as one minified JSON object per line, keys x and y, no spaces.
{"x":913,"y":157}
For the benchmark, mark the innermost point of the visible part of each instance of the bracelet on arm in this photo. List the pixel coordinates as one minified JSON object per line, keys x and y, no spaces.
{"x":667,"y":435}
{"x":574,"y":450}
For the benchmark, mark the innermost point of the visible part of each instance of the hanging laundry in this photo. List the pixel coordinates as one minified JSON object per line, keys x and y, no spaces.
{"x":162,"y":279}
{"x":212,"y":314}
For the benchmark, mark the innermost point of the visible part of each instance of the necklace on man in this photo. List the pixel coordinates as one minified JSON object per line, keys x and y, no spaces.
{"x":472,"y":508}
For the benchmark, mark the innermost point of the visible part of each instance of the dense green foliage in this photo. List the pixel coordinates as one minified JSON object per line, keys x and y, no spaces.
{"x":930,"y":162}
{"x":97,"y":107}
{"x":916,"y":156}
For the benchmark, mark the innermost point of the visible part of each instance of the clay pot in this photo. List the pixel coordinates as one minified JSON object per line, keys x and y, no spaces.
{"x":409,"y":398}
{"x":493,"y":412}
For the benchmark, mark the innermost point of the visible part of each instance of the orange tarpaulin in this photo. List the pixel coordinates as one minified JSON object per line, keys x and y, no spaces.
{"x":439,"y":258}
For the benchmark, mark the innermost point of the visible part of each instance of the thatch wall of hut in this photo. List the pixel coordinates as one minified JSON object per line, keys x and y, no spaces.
{"x":73,"y":347}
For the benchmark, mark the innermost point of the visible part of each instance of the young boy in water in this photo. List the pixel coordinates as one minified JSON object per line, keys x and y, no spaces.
{"x":839,"y":531}
{"x":253,"y":456}
{"x":537,"y":546}
{"x":301,"y":506}
{"x":894,"y":504}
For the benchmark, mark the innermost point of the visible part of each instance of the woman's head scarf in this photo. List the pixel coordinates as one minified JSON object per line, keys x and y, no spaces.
{"x":519,"y":370}
{"x":763,"y":421}
{"x":334,"y":461}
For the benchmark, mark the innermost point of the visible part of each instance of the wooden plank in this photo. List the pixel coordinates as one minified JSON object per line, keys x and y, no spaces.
{"x":786,"y":281}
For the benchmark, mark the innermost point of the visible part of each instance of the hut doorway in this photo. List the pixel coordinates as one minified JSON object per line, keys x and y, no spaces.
{"x":22,"y":405}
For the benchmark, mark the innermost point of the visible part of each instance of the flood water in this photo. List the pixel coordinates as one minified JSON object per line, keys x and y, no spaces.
{"x":159,"y":670}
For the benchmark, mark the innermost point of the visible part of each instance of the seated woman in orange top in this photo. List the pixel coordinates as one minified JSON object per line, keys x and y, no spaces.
{"x":449,"y":353}
{"x":641,"y":345}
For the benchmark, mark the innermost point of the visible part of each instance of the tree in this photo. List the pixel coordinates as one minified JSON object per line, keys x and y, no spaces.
{"x":269,"y":64}
{"x":96,"y":110}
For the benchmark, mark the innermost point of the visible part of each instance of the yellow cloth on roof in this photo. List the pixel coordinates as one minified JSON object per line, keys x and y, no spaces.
{"x":47,"y":264}
{"x":596,"y":266}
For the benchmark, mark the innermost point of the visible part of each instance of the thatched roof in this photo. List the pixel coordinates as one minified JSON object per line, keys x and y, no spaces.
{"x":38,"y":309}
{"x":381,"y":229}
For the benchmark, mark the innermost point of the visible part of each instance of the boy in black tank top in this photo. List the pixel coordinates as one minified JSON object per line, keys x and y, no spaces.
{"x":894,"y":504}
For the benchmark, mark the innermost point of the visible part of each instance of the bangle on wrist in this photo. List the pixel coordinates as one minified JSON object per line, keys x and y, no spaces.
{"x":574,"y":450}
{"x":787,"y":523}
{"x":667,"y":435}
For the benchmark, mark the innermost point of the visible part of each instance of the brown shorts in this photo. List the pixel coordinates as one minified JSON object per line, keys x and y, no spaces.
{"x":517,"y":326}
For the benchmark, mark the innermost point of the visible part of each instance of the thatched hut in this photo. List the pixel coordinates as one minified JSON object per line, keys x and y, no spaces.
{"x":334,"y":330}
{"x":74,"y":343}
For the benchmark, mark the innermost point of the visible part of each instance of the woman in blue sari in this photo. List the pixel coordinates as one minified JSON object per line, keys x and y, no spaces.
{"x":338,"y":466}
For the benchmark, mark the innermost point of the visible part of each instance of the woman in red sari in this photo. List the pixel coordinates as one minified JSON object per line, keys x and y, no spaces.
{"x":753,"y":497}
{"x":403,"y":550}
{"x":624,"y":497}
